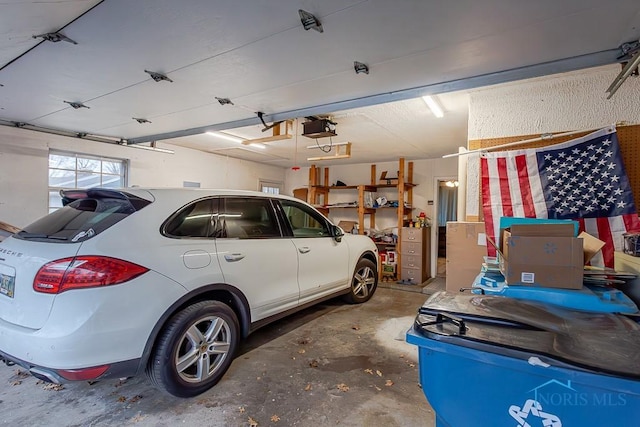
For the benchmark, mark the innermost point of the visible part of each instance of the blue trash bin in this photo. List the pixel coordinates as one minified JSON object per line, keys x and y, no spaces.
{"x":494,"y":361}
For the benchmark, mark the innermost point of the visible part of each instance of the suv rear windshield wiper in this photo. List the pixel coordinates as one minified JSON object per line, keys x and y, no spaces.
{"x":27,"y":235}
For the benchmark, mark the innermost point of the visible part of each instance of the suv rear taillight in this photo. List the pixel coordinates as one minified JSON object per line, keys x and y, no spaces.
{"x":84,"y":272}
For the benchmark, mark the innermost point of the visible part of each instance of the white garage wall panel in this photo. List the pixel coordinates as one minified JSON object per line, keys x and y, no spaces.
{"x":24,"y":170}
{"x":564,"y":102}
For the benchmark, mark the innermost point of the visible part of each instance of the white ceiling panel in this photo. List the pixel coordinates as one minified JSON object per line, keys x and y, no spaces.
{"x":258,"y":54}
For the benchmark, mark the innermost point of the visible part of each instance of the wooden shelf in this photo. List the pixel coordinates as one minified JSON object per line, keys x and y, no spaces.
{"x":319,"y":197}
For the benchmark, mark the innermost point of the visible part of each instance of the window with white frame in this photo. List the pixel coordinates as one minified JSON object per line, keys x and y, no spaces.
{"x":270,"y":187}
{"x":73,"y":170}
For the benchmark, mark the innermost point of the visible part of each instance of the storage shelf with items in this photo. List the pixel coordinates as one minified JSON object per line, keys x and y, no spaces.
{"x":367,"y":207}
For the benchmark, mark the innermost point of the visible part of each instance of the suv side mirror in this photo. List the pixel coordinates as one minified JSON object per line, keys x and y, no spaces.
{"x":337,"y":233}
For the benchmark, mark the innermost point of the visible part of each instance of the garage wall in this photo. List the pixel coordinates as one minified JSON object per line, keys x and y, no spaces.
{"x":24,"y":175}
{"x":559,"y":103}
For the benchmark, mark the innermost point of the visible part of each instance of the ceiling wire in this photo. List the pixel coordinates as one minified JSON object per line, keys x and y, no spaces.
{"x":325,"y":148}
{"x":43,"y":41}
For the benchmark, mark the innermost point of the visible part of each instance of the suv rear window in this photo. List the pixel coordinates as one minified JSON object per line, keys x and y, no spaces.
{"x":83,"y":218}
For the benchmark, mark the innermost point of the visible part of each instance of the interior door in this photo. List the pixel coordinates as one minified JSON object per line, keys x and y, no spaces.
{"x":255,"y":257}
{"x":323,"y":262}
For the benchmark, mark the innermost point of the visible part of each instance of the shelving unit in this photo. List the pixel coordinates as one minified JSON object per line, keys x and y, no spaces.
{"x":319,"y":190}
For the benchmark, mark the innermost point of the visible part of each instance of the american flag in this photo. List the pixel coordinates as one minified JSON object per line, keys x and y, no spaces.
{"x":582,"y":179}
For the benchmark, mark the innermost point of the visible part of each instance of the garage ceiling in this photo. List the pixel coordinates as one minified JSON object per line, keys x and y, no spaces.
{"x":258,"y":55}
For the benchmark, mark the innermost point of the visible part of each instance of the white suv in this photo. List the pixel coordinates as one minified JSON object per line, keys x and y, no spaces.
{"x":166,"y":281}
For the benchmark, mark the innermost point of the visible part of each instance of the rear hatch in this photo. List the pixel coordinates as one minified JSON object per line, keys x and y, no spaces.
{"x":56,"y":236}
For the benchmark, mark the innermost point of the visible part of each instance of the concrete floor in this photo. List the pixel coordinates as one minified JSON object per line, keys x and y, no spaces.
{"x":331,"y":365}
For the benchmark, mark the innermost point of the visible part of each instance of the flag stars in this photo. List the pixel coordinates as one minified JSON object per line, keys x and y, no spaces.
{"x":555,"y":161}
{"x":618,"y":191}
{"x":611,"y":199}
{"x":608,"y":154}
{"x":611,"y":166}
{"x":547,"y":156}
{"x":599,"y":150}
{"x":562,"y":154}
{"x":576,"y":151}
{"x":621,"y":204}
{"x":606,"y":142}
{"x":591,"y":147}
{"x":608,"y":186}
{"x":615,"y":178}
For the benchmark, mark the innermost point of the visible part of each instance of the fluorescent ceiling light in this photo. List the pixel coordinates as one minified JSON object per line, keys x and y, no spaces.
{"x":258,"y":145}
{"x":225,"y":136}
{"x":435,"y":108}
{"x":146,"y":147}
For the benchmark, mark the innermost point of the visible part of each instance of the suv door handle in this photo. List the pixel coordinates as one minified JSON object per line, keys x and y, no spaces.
{"x":233,"y":257}
{"x":304,"y":249}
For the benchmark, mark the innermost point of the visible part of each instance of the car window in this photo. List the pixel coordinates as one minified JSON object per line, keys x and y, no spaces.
{"x":196,"y":220}
{"x":249,"y":218}
{"x":83,"y":218}
{"x":304,"y":221}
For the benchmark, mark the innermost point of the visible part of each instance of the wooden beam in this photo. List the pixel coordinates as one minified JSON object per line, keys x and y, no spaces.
{"x":337,"y":155}
{"x":276,"y":134}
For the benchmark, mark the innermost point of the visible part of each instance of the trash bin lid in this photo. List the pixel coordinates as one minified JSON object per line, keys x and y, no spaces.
{"x":603,"y":342}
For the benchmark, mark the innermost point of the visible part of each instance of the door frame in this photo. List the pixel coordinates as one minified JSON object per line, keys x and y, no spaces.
{"x":434,"y":221}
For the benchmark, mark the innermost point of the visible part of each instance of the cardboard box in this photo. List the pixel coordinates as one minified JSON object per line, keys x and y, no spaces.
{"x":347,"y":226}
{"x":542,"y":255}
{"x":591,"y":246}
{"x":387,"y":180}
{"x":466,"y":248}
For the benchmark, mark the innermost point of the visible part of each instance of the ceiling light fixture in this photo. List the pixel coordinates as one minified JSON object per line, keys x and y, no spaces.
{"x":433,"y":105}
{"x":309,"y":21}
{"x":360,"y":67}
{"x":55,"y":37}
{"x":76,"y":105}
{"x":158,"y":77}
{"x":452,"y":183}
{"x":225,"y":136}
{"x":257,"y":145}
{"x":150,"y":148}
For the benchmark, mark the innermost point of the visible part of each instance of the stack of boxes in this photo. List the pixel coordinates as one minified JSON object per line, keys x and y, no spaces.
{"x":537,"y":253}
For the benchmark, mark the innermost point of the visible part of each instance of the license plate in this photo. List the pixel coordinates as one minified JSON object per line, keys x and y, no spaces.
{"x":7,"y":285}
